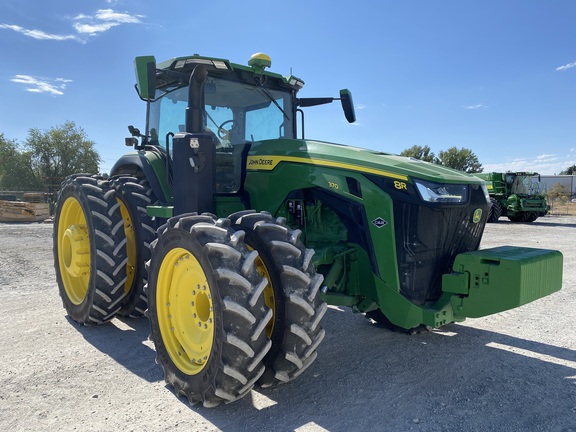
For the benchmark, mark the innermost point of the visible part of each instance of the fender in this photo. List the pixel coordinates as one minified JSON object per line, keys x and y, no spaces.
{"x":149,"y":163}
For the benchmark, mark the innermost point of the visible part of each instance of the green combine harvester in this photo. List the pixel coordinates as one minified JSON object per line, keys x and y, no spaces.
{"x":516,"y":195}
{"x":233,"y":232}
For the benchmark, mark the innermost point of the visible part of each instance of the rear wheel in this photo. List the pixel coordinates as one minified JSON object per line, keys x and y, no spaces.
{"x":206,"y":308}
{"x":292,"y":293}
{"x":134,"y":196}
{"x":89,"y":249}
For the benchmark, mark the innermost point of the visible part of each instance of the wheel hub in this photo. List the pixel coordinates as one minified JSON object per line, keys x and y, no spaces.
{"x":130,"y":233}
{"x":186,"y":312}
{"x":76,"y":250}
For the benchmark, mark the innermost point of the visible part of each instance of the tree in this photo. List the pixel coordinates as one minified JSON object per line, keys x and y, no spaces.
{"x":569,"y":171}
{"x":14,"y":172}
{"x":419,"y":152}
{"x":556,"y":194}
{"x":461,"y":159}
{"x":46,"y":158}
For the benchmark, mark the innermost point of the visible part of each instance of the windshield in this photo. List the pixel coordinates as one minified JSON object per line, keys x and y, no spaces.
{"x":236,"y":112}
{"x":524,"y":185}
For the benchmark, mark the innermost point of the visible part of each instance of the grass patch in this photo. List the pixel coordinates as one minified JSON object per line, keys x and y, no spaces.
{"x":567,"y":208}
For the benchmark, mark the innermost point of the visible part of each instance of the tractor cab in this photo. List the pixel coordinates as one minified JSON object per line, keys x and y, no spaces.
{"x":237,"y":103}
{"x":228,"y":106}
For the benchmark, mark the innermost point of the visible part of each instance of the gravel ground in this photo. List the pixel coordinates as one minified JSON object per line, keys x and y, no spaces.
{"x":514,"y":371}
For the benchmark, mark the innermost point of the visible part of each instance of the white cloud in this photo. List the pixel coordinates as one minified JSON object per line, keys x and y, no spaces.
{"x":110,"y":15}
{"x":93,"y":29}
{"x":103,"y":20}
{"x":547,"y":157}
{"x":42,"y":85}
{"x":566,"y":66}
{"x":85,"y":25}
{"x":545,"y":164}
{"x":37,"y":34}
{"x":474,"y":107}
{"x":360,"y":107}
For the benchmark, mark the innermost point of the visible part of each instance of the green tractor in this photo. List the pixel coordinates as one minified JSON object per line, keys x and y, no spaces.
{"x":516,"y":195}
{"x":232,"y":232}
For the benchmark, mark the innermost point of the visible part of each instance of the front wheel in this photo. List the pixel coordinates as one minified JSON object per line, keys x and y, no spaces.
{"x":206,"y":309}
{"x":89,"y":249}
{"x":293,"y":293}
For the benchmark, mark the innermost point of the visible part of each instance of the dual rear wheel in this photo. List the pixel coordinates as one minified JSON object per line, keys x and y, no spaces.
{"x":89,"y":248}
{"x":101,"y":243}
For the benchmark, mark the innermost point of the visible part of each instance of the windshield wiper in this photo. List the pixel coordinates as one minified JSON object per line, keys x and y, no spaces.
{"x":266,"y":93}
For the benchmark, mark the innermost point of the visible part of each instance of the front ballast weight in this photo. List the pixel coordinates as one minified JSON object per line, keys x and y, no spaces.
{"x":493,"y":280}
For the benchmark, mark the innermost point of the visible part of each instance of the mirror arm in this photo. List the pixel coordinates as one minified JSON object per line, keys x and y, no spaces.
{"x":308,"y":102}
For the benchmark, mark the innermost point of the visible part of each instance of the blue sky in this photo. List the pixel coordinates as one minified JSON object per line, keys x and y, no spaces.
{"x":498,"y":77}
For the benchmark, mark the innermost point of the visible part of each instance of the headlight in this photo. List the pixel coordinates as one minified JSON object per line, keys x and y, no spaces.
{"x":442,"y":193}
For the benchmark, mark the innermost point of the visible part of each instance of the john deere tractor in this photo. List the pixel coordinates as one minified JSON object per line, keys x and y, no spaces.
{"x":234,"y":232}
{"x":517,"y":195}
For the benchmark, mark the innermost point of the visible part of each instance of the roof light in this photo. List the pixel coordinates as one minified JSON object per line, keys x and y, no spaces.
{"x":185,"y":63}
{"x":295,"y":82}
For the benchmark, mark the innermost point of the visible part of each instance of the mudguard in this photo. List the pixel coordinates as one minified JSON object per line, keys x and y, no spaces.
{"x":149,"y":163}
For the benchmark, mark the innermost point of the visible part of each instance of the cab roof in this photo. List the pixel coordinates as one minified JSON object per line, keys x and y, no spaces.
{"x":178,"y":68}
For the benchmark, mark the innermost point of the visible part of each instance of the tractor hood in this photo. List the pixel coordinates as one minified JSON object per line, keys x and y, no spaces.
{"x":266,"y":155}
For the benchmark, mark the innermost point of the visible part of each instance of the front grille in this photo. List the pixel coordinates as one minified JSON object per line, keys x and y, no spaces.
{"x":532,"y":204}
{"x":428,"y":238}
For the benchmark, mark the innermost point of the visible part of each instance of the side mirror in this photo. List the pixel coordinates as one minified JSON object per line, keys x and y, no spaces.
{"x":145,"y":68}
{"x":347,"y":105}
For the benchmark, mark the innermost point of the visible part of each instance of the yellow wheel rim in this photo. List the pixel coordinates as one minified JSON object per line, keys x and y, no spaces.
{"x":268,"y":293}
{"x":185,"y":311}
{"x":130,"y":246}
{"x":74,"y":250}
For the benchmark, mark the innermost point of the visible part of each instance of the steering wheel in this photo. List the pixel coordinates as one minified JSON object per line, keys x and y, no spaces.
{"x":223,"y":133}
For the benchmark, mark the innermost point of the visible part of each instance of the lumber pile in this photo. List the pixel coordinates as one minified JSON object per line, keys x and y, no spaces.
{"x":16,"y":211}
